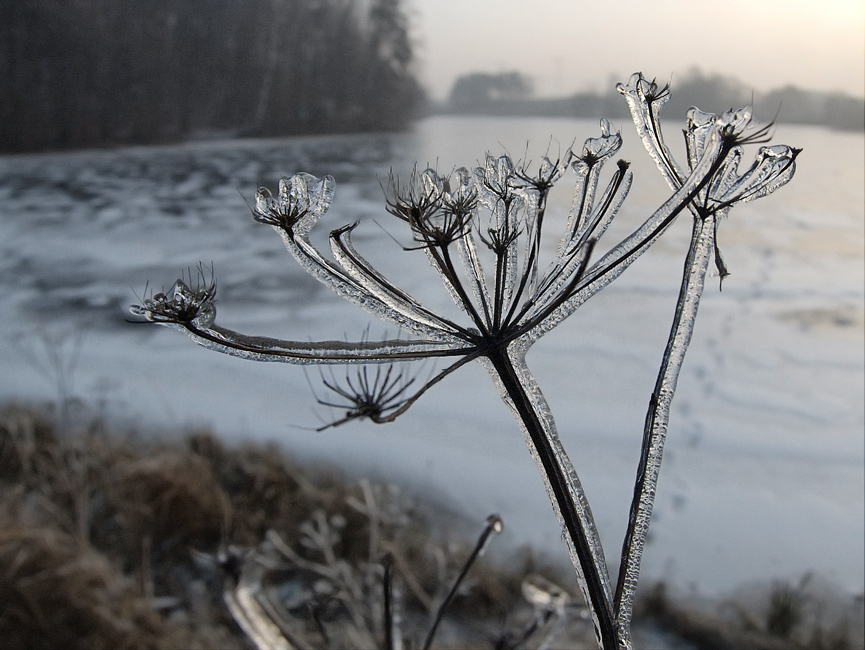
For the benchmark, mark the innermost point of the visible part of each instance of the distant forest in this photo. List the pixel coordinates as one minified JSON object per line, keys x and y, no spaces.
{"x":510,"y":93}
{"x":98,"y":72}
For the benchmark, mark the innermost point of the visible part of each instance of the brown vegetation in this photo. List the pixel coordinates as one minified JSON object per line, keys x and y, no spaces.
{"x":110,"y":541}
{"x":104,"y":539}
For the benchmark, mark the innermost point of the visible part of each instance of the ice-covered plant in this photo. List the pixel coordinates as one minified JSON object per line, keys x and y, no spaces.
{"x":482,"y":231}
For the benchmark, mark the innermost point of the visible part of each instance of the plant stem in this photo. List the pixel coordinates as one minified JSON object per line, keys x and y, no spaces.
{"x":658,"y":415}
{"x":494,"y":525}
{"x":565,"y":491}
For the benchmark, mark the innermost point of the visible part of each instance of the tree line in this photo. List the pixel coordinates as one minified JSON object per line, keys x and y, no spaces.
{"x":99,"y":72}
{"x":509,"y":93}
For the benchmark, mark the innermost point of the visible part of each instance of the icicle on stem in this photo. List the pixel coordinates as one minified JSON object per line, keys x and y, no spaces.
{"x":657,"y":418}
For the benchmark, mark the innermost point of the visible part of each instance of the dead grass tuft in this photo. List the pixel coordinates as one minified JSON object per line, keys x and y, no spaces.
{"x":59,"y":594}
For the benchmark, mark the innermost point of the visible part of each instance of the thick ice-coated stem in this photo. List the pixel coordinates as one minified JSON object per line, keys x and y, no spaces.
{"x":521,"y":393}
{"x":657,"y":418}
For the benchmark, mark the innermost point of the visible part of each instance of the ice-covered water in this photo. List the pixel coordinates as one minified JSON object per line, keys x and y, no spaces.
{"x":763,"y":475}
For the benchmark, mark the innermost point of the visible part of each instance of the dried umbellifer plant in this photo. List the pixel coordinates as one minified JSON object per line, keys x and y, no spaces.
{"x":481,"y":231}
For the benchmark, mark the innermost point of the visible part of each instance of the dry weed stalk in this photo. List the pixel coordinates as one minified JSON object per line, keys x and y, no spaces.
{"x":481,"y":231}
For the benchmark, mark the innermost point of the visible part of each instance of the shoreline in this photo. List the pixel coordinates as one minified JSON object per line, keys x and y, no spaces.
{"x":162,"y":488}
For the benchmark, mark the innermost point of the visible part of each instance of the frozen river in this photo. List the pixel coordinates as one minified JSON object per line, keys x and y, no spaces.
{"x":763,"y":476}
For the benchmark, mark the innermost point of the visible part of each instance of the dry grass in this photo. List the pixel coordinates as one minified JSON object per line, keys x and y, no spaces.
{"x":103,"y":539}
{"x":779,"y":616}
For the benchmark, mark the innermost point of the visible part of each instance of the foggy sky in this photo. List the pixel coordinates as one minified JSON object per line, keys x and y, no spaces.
{"x":571,"y":45}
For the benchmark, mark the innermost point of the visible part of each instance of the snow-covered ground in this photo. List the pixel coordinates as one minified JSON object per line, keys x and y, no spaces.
{"x":763,"y":476}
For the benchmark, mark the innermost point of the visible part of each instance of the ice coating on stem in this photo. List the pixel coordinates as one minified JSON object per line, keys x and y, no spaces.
{"x":259,"y":348}
{"x":410,"y":310}
{"x":471,"y":261}
{"x":348,"y":288}
{"x":657,"y":420}
{"x":645,"y":99}
{"x":587,"y":223}
{"x":523,"y":396}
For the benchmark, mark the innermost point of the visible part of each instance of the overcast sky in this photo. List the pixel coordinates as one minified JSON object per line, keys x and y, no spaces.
{"x":570,"y":45}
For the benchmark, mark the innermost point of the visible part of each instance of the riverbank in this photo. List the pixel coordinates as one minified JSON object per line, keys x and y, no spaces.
{"x":114,"y":540}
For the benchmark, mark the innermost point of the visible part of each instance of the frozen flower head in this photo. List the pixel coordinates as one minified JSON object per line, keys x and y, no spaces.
{"x":500,"y":205}
{"x":771,"y":168}
{"x":301,"y":201}
{"x":727,"y":133}
{"x":597,"y":149}
{"x":548,"y":173}
{"x":436,"y":215}
{"x":181,"y":304}
{"x":497,"y":178}
{"x":379,"y":395}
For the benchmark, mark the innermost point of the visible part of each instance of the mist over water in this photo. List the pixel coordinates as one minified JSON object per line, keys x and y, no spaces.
{"x":764,"y":472}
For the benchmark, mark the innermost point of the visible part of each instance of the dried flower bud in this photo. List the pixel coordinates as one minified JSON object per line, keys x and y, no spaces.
{"x":301,"y":201}
{"x":181,"y":305}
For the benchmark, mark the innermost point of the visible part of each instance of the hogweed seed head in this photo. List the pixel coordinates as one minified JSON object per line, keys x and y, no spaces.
{"x":301,"y":201}
{"x":548,"y":173}
{"x":597,"y":149}
{"x":436,"y":215}
{"x":515,"y":300}
{"x":182,"y":304}
{"x":379,"y":395}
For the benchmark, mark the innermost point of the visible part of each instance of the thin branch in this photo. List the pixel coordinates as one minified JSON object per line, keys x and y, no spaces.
{"x":269,"y":349}
{"x":494,"y":526}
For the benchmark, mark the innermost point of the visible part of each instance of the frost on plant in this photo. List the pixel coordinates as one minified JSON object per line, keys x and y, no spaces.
{"x":771,"y":168}
{"x":481,"y":231}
